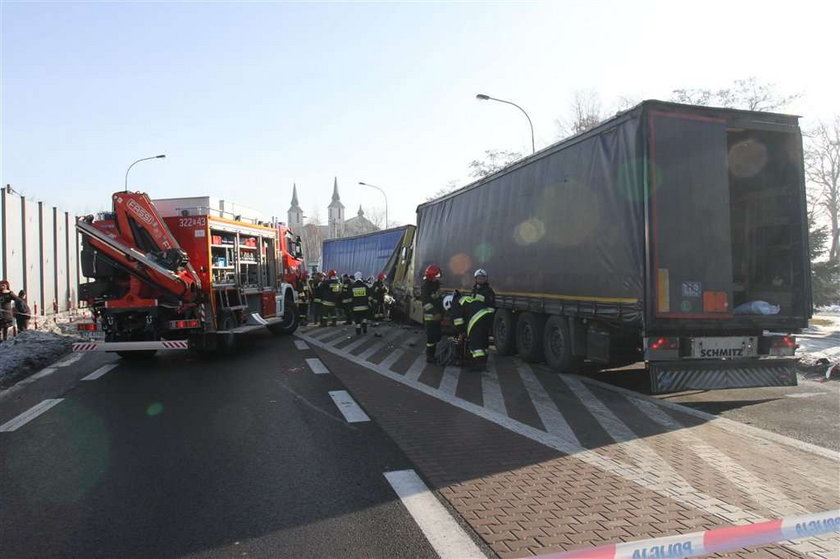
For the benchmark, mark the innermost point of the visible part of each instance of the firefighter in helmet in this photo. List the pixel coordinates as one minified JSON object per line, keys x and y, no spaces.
{"x":347,"y":298}
{"x":379,"y":292}
{"x":476,"y":312}
{"x":330,"y":297}
{"x":432,"y":298}
{"x":361,"y":303}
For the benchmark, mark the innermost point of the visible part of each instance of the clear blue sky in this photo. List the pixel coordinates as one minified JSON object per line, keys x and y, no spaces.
{"x":247,"y":98}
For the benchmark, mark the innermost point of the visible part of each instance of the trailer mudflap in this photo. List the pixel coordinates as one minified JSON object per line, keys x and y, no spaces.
{"x":675,"y":376}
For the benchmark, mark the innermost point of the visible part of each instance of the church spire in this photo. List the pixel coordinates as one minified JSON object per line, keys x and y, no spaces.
{"x":335,"y":196}
{"x":294,"y":196}
{"x":361,"y":211}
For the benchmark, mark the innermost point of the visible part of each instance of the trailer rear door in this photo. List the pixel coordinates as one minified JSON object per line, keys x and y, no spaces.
{"x":689,"y":216}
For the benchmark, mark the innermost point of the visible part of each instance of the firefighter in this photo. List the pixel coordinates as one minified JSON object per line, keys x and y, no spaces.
{"x":315,"y":290}
{"x":379,"y":292}
{"x":330,"y":296}
{"x":478,"y":313}
{"x":361,"y":303}
{"x":431,"y":297}
{"x":302,"y":288}
{"x":347,"y":299}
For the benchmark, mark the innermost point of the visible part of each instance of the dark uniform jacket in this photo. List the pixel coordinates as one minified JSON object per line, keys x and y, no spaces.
{"x":361,"y":296}
{"x":432,"y":299}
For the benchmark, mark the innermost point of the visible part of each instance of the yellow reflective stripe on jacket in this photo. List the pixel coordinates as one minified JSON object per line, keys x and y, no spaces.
{"x":335,"y":288}
{"x":361,"y":308}
{"x":359,"y":291}
{"x":428,"y":306}
{"x":458,"y":321}
{"x":431,"y":317}
{"x":476,"y":317}
{"x":478,"y":297}
{"x":328,"y":303}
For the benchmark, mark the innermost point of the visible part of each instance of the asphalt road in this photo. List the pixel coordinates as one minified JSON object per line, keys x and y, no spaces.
{"x":183,"y":456}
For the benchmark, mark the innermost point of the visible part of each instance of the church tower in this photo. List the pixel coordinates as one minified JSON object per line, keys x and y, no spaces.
{"x":336,"y":213}
{"x":295,"y":214}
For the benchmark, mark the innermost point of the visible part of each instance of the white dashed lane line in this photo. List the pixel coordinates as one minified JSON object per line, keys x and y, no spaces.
{"x":98,"y":373}
{"x":348,"y":407}
{"x":29,"y":415}
{"x":444,"y":534}
{"x":317,"y":366}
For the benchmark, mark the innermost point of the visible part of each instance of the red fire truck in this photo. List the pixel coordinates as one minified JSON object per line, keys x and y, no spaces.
{"x":184,"y":273}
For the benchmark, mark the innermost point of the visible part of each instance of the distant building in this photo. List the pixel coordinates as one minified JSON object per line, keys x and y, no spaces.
{"x":312,"y":234}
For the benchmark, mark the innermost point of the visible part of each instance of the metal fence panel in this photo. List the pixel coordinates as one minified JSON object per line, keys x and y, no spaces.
{"x":33,"y":254}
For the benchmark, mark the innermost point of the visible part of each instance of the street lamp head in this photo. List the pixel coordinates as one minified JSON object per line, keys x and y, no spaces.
{"x":482,"y":97}
{"x":160,"y":156}
{"x":362,"y":183}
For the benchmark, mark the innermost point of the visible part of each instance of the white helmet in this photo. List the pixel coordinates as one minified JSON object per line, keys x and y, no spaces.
{"x":447,"y":301}
{"x":480,"y":272}
{"x":357,"y":276}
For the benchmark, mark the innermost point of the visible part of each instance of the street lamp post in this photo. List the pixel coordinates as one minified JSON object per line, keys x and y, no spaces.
{"x":383,"y":194}
{"x":483,"y":97}
{"x":135,"y":163}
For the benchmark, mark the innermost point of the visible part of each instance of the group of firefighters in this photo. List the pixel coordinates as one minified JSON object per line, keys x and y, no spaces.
{"x":471,"y":315}
{"x":326,"y":296}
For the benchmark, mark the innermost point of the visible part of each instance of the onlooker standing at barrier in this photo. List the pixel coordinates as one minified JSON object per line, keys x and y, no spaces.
{"x":22,"y":312}
{"x":7,"y":297}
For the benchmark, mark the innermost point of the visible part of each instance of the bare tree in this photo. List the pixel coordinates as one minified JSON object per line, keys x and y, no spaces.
{"x":750,"y":94}
{"x":585,"y":114}
{"x":822,"y":168}
{"x":446,"y":189}
{"x":314,"y":217}
{"x":494,"y":160}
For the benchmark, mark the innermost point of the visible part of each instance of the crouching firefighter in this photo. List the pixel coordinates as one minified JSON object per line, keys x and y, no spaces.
{"x":477,"y":312}
{"x":432,"y":299}
{"x":361,"y":303}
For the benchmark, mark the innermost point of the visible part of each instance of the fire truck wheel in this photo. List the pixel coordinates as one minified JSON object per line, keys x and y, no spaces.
{"x":290,"y":320}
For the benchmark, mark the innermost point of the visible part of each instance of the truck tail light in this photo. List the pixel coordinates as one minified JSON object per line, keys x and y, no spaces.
{"x":783,"y":345}
{"x":664,"y":343}
{"x":181,"y":324}
{"x":783,"y":342}
{"x":86,"y":327}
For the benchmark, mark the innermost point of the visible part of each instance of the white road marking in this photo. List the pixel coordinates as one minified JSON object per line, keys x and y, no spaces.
{"x":29,"y":415}
{"x":491,"y":390}
{"x":550,"y":416}
{"x":646,"y":474}
{"x":301,"y":345}
{"x":722,"y":422}
{"x":413,"y":372}
{"x":317,"y":366}
{"x":69,"y":360}
{"x":100,"y":371}
{"x":390,"y":337}
{"x":354,"y":344}
{"x":393,"y":358}
{"x":444,"y":534}
{"x":348,"y":406}
{"x":773,"y":499}
{"x":614,"y":427}
{"x":805,"y":394}
{"x":449,"y":382}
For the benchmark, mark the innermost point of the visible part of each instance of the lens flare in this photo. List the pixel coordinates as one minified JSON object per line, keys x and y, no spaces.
{"x":529,"y":232}
{"x":483,"y":252}
{"x":460,"y":264}
{"x":747,"y":158}
{"x":154,"y":409}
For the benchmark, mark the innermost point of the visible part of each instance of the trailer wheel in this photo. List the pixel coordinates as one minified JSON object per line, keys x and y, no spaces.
{"x":504,"y":332}
{"x":529,"y":336}
{"x":557,"y":344}
{"x":226,"y":342}
{"x":291,"y":319}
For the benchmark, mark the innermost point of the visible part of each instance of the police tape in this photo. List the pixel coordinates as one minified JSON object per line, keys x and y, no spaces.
{"x":713,"y":541}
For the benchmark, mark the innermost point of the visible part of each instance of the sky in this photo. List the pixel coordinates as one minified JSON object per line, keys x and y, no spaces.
{"x":247,"y":99}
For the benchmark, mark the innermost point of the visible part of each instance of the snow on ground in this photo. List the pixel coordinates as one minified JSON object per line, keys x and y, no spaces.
{"x":34,"y":349}
{"x":29,"y":351}
{"x":819,"y":344}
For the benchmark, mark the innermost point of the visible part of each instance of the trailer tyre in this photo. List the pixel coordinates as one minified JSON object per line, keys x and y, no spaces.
{"x":529,"y":336}
{"x":557,"y":344}
{"x":504,"y":332}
